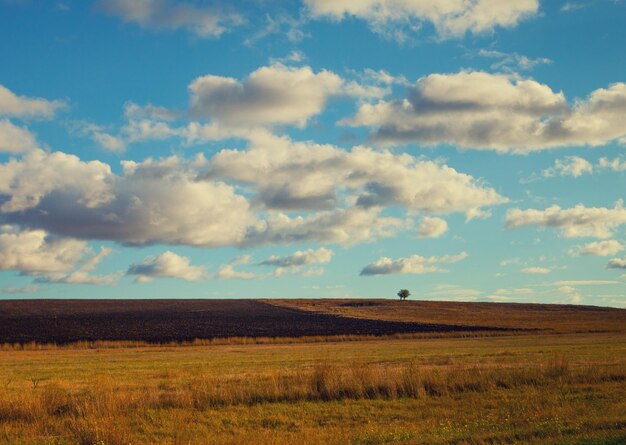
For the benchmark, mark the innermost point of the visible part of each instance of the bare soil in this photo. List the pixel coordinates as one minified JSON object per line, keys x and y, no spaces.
{"x":64,"y":321}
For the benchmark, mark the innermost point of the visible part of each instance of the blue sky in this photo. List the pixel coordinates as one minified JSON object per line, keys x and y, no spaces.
{"x":200,"y":149}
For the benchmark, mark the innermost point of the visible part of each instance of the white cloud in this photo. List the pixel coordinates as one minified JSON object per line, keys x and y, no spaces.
{"x":454,"y":292}
{"x":241,"y":260}
{"x":169,"y":14}
{"x":598,"y":248}
{"x":13,"y":105}
{"x":432,"y":227}
{"x":570,"y":166}
{"x":584,"y":282}
{"x":35,"y":252}
{"x":302,"y":175}
{"x":150,"y":202}
{"x":615,"y":164}
{"x":414,"y":264}
{"x":450,"y":18}
{"x":512,"y":61}
{"x":282,"y":23}
{"x":228,"y":272}
{"x":574,"y":297}
{"x":342,"y":194}
{"x":274,"y":94}
{"x":616,"y":263}
{"x":579,"y":221}
{"x":300,"y":258}
{"x":52,"y":259}
{"x":382,"y":77}
{"x":566,"y":289}
{"x":14,"y":139}
{"x":312,"y":272}
{"x":82,"y":275}
{"x":292,"y":264}
{"x":271,"y":95}
{"x":510,"y":261}
{"x":342,"y":226}
{"x":294,"y":56}
{"x":108,"y":141}
{"x":501,"y":112}
{"x":38,"y":174}
{"x":536,"y":270}
{"x":31,"y":288}
{"x":162,"y":202}
{"x":166,"y":265}
{"x":133,"y":111}
{"x":514,"y":292}
{"x":573,"y":6}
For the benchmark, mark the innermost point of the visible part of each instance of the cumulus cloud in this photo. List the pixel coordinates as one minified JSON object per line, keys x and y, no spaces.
{"x":573,"y":296}
{"x":108,"y":141}
{"x":83,"y":274}
{"x":300,"y":258}
{"x":228,"y":271}
{"x":598,"y":248}
{"x":341,"y":226}
{"x":616,"y":263}
{"x":51,"y":259}
{"x":302,"y":175}
{"x":165,"y":201}
{"x":501,"y":112}
{"x":570,"y":166}
{"x":293,"y":263}
{"x":14,"y":139}
{"x":12,"y":105}
{"x":35,"y":252}
{"x":271,"y":95}
{"x":414,"y":264}
{"x":208,"y":21}
{"x":274,"y":94}
{"x":578,"y":221}
{"x":155,"y":127}
{"x":615,"y":164}
{"x":536,"y":270}
{"x":432,"y":227}
{"x":450,"y":19}
{"x":166,"y":265}
{"x":149,"y":202}
{"x":25,"y":182}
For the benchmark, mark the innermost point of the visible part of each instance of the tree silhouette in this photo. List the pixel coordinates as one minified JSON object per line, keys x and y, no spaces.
{"x":403,"y":294}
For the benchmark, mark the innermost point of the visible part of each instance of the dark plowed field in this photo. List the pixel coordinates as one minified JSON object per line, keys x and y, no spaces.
{"x":63,"y":321}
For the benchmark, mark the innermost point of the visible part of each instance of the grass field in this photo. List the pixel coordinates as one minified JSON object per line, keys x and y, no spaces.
{"x":545,"y":317}
{"x":530,"y":387}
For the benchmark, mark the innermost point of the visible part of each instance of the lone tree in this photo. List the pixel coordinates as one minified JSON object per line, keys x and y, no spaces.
{"x":403,"y":294}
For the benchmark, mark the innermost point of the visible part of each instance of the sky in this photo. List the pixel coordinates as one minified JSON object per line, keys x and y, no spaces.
{"x":466,"y":150}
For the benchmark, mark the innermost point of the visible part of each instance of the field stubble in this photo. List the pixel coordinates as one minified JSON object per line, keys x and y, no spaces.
{"x":522,"y":389}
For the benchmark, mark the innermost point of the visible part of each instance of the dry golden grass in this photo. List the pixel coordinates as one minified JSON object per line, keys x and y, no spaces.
{"x":130,"y":344}
{"x":557,"y":318}
{"x":516,"y":389}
